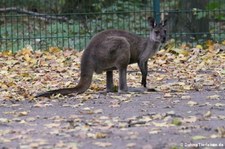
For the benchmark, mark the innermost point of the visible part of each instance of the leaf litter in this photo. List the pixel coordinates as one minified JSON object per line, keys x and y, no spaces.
{"x":173,"y":72}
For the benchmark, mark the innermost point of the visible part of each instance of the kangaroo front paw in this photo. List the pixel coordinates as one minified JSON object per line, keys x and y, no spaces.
{"x":143,"y":83}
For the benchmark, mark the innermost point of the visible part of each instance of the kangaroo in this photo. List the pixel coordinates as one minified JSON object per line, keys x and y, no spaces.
{"x":116,"y":49}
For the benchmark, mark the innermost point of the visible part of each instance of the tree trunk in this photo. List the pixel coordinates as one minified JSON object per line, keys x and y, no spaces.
{"x":187,"y":20}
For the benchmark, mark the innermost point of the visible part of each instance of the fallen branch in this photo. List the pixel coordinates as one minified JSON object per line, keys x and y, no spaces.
{"x":41,"y":16}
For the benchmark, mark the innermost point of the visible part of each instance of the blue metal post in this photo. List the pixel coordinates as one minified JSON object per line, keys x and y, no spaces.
{"x":156,"y":8}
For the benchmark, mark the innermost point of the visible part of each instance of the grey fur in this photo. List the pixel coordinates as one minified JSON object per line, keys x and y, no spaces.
{"x":116,"y":49}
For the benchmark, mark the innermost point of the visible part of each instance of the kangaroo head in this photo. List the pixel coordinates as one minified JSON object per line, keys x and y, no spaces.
{"x":157,"y":31}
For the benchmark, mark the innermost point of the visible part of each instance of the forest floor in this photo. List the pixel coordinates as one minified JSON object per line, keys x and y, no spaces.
{"x":185,"y":108}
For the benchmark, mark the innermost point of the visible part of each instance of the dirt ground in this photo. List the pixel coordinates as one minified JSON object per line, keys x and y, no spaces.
{"x":146,"y":121}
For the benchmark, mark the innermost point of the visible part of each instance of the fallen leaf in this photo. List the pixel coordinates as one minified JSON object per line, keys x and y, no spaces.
{"x":98,"y":111}
{"x":97,"y":135}
{"x":180,"y":51}
{"x":219,"y":105}
{"x":190,"y":119}
{"x":131,"y":145}
{"x":23,"y":113}
{"x":5,"y":140}
{"x":4,"y":120}
{"x":221,"y":117}
{"x":167,"y":95}
{"x":103,"y":144}
{"x":208,"y":114}
{"x":162,"y":124}
{"x":221,"y":132}
{"x":186,"y":97}
{"x":54,"y":49}
{"x":198,"y":137}
{"x":176,"y":121}
{"x":7,"y":53}
{"x":72,"y":145}
{"x":154,"y":132}
{"x":52,"y":125}
{"x":199,"y":47}
{"x":192,"y":103}
{"x":214,"y":97}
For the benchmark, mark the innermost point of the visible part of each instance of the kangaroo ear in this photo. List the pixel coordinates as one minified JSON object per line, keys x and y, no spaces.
{"x":164,"y":23}
{"x":152,"y":22}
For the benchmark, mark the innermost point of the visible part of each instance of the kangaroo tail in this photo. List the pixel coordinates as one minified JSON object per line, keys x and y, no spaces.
{"x":63,"y":91}
{"x":83,"y":85}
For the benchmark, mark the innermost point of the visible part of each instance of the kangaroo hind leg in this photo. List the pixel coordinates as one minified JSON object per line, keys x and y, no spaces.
{"x":109,"y":81}
{"x":122,"y":62}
